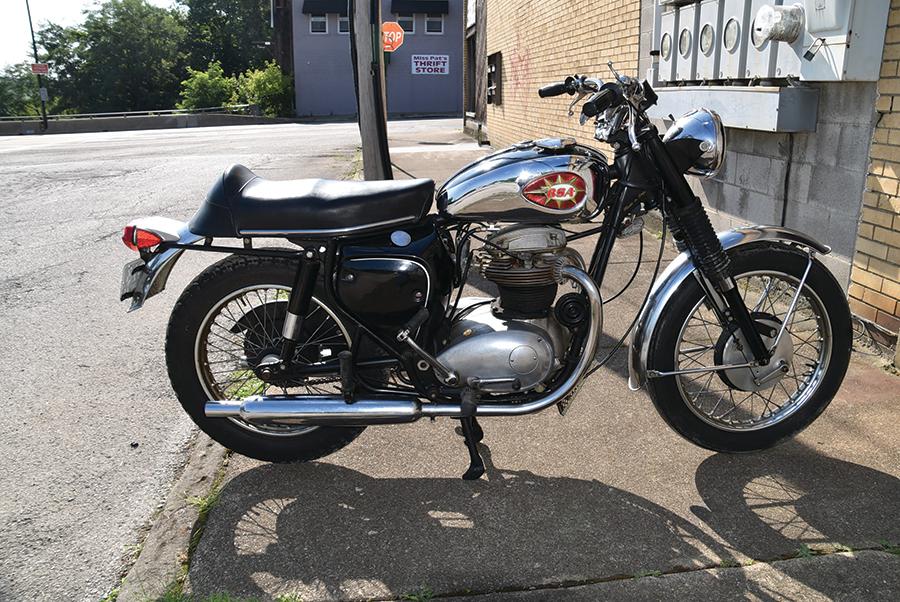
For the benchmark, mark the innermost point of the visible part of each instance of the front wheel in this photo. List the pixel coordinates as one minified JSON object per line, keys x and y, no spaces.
{"x":749,"y":409}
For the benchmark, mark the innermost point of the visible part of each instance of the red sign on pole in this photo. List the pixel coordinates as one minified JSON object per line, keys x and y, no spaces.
{"x":391,"y":36}
{"x":40,"y":68}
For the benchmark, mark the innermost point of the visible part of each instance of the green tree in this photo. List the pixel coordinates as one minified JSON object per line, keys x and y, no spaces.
{"x":126,"y":56}
{"x":232,"y":32}
{"x":132,"y":57}
{"x":269,"y":88}
{"x":210,"y":88}
{"x":18,"y":91}
{"x":63,"y":49}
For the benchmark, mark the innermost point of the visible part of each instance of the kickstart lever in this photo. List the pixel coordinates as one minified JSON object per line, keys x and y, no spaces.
{"x":449,"y":377}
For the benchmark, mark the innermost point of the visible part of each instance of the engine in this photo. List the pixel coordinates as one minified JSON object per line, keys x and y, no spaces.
{"x":515,"y":342}
{"x":521,"y":260}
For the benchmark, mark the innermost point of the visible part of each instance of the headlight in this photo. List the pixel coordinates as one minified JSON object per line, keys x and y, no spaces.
{"x":697,"y":143}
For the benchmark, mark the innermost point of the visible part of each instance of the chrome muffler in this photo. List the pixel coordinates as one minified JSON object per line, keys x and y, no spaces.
{"x":333,"y":410}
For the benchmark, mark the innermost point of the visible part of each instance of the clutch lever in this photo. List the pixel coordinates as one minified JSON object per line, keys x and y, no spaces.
{"x":578,"y":98}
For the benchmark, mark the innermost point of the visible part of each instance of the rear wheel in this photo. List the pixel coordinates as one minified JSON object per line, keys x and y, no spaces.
{"x":226,"y":323}
{"x":748,"y":409}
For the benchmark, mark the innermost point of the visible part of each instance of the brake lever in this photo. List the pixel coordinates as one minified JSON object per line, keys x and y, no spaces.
{"x":579,"y":98}
{"x":632,"y":128}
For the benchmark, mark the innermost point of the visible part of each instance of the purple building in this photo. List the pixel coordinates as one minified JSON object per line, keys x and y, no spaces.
{"x":424,"y":76}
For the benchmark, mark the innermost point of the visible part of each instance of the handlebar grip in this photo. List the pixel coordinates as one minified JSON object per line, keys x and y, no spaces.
{"x":599,"y":102}
{"x":557,"y":89}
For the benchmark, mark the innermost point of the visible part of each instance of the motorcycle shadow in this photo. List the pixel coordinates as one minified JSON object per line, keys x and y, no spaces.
{"x":327,"y":532}
{"x":770,"y":504}
{"x":323,"y":531}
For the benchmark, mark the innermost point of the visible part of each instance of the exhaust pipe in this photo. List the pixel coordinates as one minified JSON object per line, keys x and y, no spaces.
{"x":333,"y":410}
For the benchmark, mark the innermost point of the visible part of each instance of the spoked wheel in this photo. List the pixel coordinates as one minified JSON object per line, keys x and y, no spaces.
{"x":225,"y":327}
{"x":751,"y":408}
{"x":244,"y":330}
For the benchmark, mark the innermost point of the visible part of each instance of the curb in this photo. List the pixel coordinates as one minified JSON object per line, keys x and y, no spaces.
{"x":166,"y":546}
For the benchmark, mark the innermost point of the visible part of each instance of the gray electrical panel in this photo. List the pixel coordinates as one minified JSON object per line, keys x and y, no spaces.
{"x":808,"y":40}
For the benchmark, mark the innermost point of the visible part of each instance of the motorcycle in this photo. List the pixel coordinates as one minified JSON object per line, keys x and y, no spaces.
{"x":286,"y":353}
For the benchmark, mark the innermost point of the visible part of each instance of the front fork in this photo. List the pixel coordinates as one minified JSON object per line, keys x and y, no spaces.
{"x":691,"y":224}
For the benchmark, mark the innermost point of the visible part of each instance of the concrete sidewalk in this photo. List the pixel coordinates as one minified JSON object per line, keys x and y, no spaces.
{"x":571,"y":508}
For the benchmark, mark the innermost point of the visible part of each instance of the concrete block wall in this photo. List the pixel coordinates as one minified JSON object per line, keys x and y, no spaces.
{"x":875,"y":287}
{"x":542,"y":42}
{"x":812,"y":182}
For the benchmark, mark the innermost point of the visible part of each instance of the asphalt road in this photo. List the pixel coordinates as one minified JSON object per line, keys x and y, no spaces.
{"x":92,"y":435}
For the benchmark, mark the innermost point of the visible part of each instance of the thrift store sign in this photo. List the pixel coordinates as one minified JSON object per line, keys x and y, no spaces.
{"x":430,"y":64}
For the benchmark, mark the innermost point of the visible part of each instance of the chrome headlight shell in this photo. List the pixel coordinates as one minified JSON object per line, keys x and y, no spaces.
{"x":697,"y":143}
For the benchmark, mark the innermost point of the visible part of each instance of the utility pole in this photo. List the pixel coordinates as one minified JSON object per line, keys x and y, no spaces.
{"x":368,"y":74}
{"x":42,"y":92}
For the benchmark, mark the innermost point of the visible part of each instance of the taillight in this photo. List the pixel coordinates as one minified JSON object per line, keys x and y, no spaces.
{"x":139,"y":240}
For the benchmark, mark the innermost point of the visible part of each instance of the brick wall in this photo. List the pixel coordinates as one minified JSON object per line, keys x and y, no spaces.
{"x":543,"y":41}
{"x":875,"y":279}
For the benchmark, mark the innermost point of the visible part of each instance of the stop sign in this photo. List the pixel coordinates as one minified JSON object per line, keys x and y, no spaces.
{"x":391,"y":36}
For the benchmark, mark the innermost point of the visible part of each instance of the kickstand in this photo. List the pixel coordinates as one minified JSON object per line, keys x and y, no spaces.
{"x":472,"y":433}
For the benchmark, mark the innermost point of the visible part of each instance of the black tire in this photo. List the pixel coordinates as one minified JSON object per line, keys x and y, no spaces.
{"x":198,"y":299}
{"x":667,"y":395}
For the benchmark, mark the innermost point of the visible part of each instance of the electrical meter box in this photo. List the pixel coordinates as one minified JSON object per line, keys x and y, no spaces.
{"x":686,"y":43}
{"x":668,"y":52}
{"x":841,"y":41}
{"x":709,"y":40}
{"x":807,"y":40}
{"x":735,"y":33}
{"x":761,"y":52}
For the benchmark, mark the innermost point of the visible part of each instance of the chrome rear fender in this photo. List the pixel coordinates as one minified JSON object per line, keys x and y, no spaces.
{"x":160,"y":264}
{"x":682,"y":268}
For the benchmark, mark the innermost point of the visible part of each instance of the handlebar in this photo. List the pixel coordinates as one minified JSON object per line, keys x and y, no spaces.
{"x":558,"y":89}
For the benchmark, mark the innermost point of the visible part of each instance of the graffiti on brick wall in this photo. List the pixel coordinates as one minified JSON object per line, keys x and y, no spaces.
{"x":519,"y":70}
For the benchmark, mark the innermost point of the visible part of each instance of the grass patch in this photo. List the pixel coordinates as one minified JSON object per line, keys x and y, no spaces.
{"x":729,"y":563}
{"x":423,"y":594}
{"x":890,"y":548}
{"x":642,"y":574}
{"x":175,"y":590}
{"x":806,"y":552}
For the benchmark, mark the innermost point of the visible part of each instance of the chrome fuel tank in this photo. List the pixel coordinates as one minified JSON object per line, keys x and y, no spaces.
{"x":538,"y":182}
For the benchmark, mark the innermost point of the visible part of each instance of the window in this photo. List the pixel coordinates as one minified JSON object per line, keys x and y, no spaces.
{"x":434,"y":23}
{"x":407,"y":22}
{"x":318,"y":23}
{"x":343,"y":24}
{"x":494,"y":79}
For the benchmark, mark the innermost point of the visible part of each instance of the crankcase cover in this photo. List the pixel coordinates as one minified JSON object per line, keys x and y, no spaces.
{"x":542,"y":182}
{"x":522,"y":356}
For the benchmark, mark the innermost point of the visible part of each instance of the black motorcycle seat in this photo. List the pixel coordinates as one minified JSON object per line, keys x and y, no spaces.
{"x":243,"y":204}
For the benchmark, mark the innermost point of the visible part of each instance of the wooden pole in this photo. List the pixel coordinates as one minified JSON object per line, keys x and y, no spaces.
{"x":368,"y":74}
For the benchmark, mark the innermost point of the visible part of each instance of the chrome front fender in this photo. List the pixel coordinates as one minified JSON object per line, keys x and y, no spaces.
{"x":682,"y":268}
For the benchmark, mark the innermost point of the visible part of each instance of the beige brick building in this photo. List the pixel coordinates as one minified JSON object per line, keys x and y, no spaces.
{"x":842,"y":175}
{"x":875,"y":279}
{"x":541,"y":42}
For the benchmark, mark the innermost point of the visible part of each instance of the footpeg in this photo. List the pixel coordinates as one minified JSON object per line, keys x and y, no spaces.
{"x":476,"y":464}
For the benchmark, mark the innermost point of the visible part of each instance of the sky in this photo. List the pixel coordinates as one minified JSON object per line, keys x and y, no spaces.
{"x":15,"y":38}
